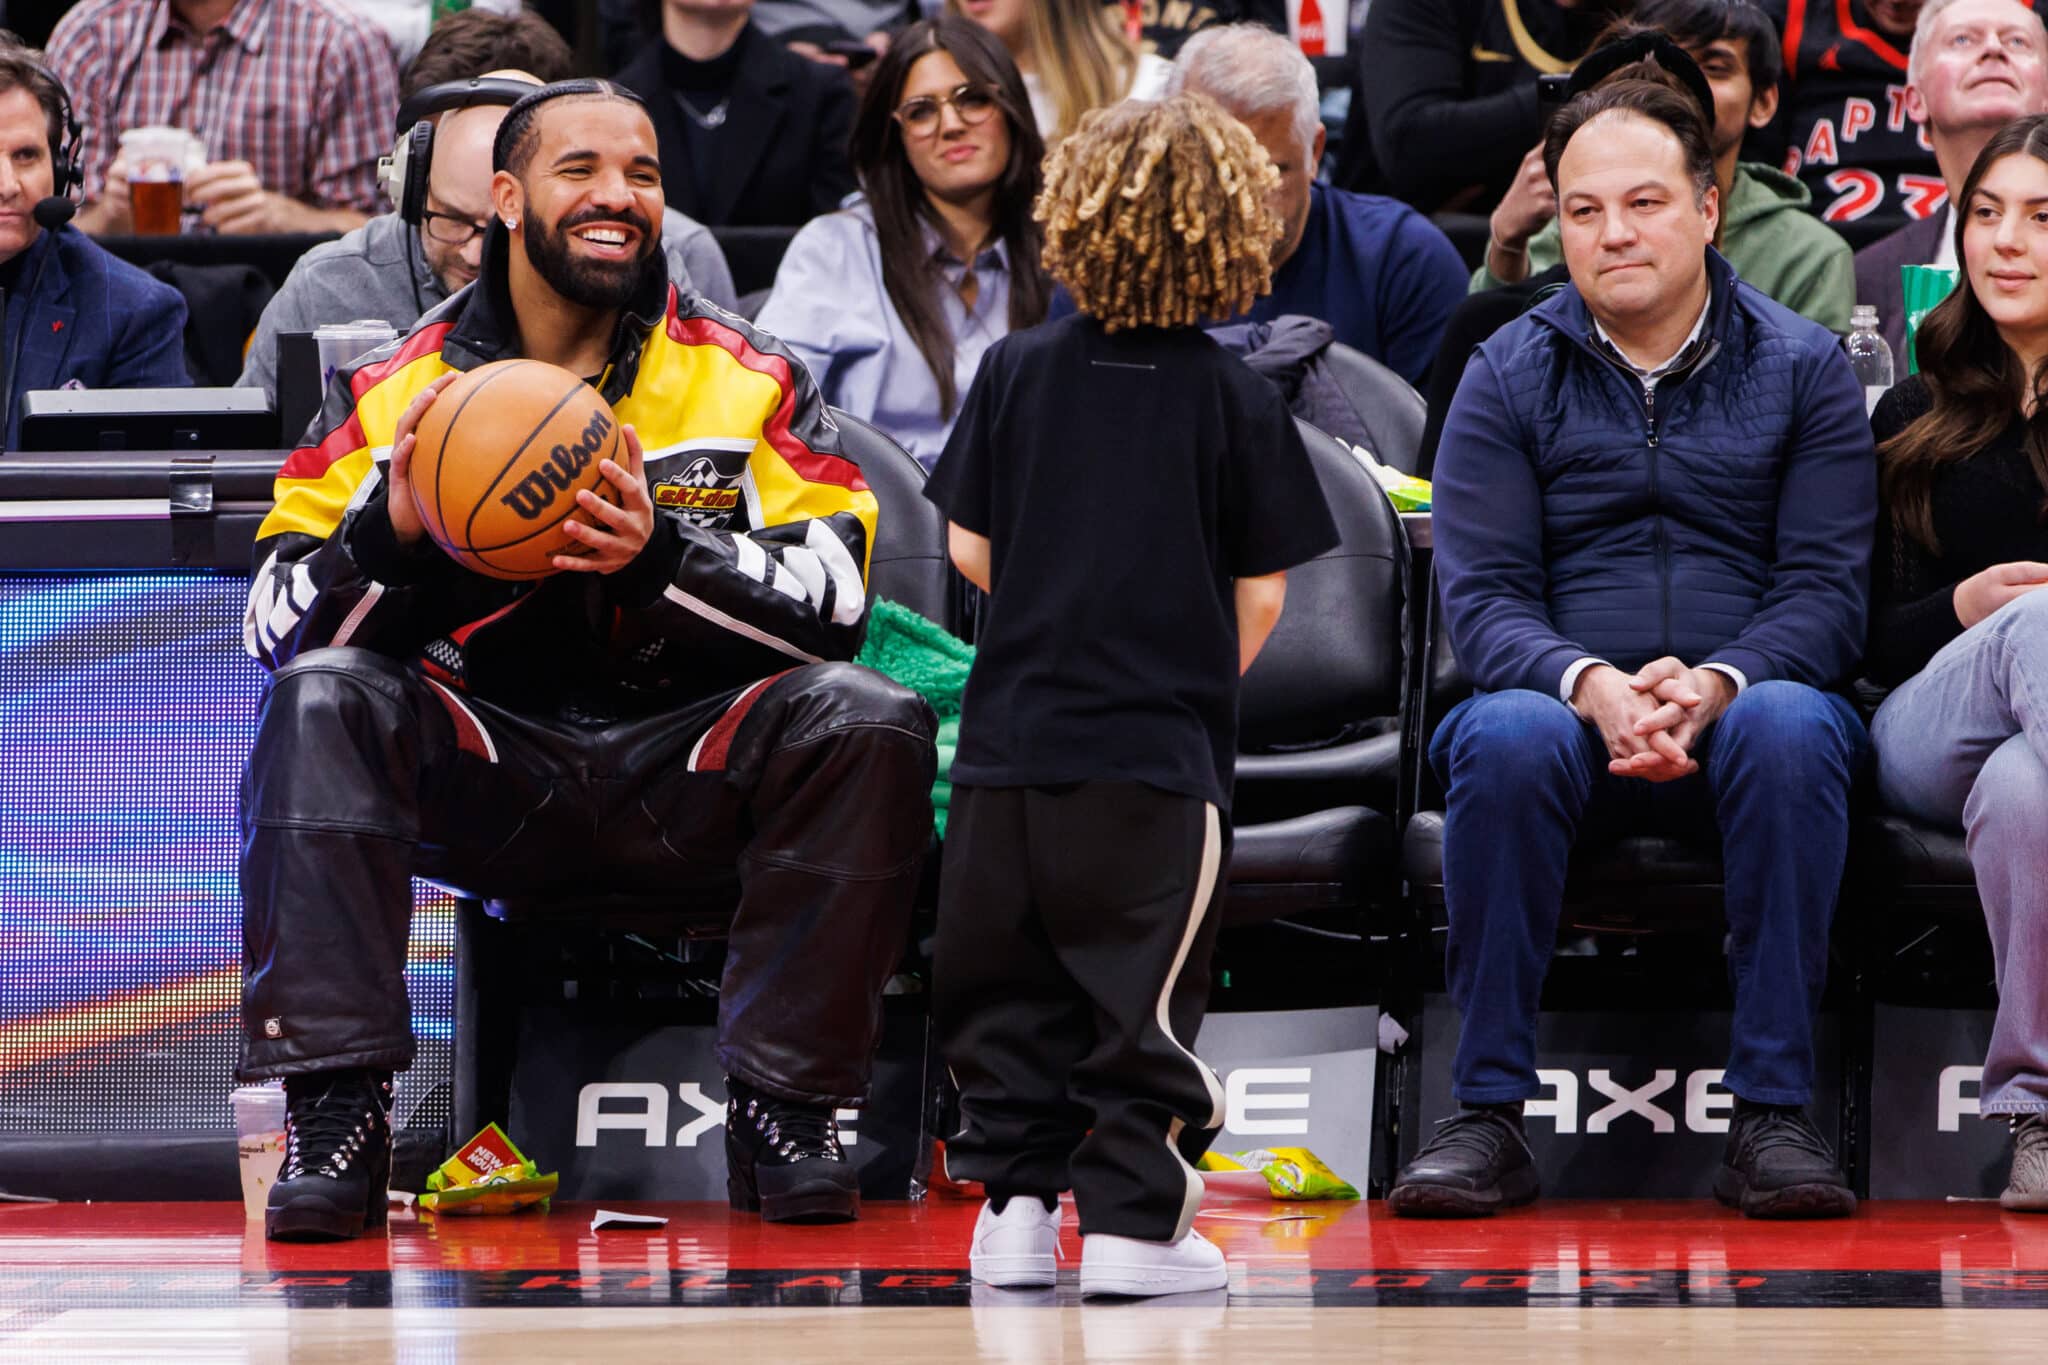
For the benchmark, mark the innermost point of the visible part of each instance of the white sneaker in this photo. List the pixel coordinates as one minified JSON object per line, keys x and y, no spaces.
{"x":1019,"y":1247}
{"x":1125,"y":1265}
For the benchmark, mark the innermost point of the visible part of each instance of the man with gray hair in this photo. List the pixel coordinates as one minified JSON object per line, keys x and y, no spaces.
{"x":1382,"y":275}
{"x":1975,"y":66}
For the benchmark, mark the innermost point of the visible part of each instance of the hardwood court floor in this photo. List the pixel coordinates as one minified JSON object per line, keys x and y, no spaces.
{"x":1642,"y":1282}
{"x":1240,"y":1336}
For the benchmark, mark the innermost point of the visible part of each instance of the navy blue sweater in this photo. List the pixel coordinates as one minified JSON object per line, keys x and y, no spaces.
{"x":1383,"y":276}
{"x":1730,"y":521}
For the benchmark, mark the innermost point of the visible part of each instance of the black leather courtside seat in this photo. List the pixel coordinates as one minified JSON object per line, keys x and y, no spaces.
{"x":1394,"y":414}
{"x":1636,"y":884}
{"x":1911,"y":864}
{"x":1319,"y":743}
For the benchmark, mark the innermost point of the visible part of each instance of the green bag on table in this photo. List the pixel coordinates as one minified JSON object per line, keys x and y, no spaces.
{"x":1925,"y":286}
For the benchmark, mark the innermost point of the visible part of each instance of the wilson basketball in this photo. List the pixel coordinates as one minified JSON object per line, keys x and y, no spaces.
{"x":499,"y":458}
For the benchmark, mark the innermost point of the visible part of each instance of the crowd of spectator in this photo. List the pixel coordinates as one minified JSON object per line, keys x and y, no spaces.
{"x":1834,"y":126}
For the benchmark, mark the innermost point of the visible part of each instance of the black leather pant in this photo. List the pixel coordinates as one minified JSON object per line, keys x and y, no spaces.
{"x":815,"y":784}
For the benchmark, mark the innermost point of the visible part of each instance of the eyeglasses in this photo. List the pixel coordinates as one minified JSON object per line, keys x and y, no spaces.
{"x":920,"y":116}
{"x":450,"y":229}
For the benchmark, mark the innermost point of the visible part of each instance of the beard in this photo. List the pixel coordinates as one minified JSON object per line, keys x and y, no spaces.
{"x":607,"y":285}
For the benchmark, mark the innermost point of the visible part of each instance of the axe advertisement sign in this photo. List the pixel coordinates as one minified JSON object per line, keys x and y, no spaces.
{"x":1632,"y":1103}
{"x":627,"y":1107}
{"x":631,"y":1108}
{"x":1297,"y":1078}
{"x":1927,"y":1140}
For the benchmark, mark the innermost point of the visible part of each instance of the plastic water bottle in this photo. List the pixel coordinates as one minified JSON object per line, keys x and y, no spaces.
{"x":1869,"y":356}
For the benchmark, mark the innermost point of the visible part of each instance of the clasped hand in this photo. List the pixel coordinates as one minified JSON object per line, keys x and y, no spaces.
{"x":612,"y":534}
{"x":1651,"y":720}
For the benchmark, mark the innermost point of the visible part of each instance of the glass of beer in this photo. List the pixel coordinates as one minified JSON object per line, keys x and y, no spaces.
{"x":157,"y":161}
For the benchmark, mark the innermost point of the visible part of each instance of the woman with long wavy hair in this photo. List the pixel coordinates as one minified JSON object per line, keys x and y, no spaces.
{"x":891,"y":301}
{"x":1959,"y":626}
{"x":1073,"y":54}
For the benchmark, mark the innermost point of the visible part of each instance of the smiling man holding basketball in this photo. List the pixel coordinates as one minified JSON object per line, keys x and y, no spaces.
{"x":669,"y":706}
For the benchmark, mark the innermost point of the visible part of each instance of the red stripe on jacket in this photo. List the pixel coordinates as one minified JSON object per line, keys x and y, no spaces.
{"x":460,"y":635}
{"x":811,"y":465}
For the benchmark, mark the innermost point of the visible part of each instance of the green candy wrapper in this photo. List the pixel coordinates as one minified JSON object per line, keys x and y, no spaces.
{"x":1289,"y":1173}
{"x":488,"y":1175}
{"x":1405,"y":491}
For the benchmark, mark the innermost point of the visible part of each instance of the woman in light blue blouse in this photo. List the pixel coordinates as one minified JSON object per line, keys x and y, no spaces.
{"x":891,"y":301}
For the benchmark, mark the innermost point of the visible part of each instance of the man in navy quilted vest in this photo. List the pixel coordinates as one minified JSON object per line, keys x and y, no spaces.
{"x":1654,"y":507}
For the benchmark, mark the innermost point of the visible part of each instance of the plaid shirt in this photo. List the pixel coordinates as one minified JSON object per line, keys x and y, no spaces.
{"x":302,"y":90}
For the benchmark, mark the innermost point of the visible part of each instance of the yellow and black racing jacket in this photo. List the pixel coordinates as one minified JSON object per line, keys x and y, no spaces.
{"x":759,"y":556}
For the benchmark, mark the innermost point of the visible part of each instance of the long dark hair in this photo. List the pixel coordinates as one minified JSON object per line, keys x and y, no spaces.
{"x":897,"y":196}
{"x":1973,"y":377}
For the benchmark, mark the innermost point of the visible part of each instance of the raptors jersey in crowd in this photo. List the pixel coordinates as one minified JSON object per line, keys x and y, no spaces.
{"x":1843,"y":117}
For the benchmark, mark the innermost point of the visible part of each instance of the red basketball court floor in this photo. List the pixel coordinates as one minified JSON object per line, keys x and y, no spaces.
{"x":95,"y":1281}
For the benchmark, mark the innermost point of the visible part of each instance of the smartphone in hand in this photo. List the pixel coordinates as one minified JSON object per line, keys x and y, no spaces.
{"x":857,"y":54}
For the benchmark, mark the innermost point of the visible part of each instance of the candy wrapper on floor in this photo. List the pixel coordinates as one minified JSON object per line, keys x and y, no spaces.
{"x":1280,"y":1172}
{"x":489,"y":1175}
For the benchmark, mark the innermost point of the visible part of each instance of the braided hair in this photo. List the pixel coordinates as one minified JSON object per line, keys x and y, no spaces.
{"x":1156,"y":214}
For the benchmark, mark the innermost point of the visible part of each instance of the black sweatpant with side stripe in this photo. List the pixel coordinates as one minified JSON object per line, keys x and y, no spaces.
{"x":1076,"y":925}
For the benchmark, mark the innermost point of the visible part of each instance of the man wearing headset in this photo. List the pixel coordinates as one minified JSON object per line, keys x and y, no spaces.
{"x":74,"y":315}
{"x":399,"y":264}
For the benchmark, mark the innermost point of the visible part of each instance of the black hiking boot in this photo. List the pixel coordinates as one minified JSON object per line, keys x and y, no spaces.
{"x":783,"y":1160}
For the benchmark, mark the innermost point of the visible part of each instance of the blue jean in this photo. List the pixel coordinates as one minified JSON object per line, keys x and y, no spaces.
{"x":1965,"y":742}
{"x":1526,"y":779}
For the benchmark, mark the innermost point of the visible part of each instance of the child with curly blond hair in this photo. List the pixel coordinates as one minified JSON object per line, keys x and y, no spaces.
{"x":1130,"y":495}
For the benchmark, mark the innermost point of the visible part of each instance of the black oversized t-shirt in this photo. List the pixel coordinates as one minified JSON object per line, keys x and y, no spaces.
{"x":1124,"y":481}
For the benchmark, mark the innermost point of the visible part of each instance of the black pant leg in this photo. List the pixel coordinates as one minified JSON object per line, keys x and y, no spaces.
{"x":1126,"y":877}
{"x":1012,"y":1023}
{"x":835,"y":763}
{"x":359,"y":767}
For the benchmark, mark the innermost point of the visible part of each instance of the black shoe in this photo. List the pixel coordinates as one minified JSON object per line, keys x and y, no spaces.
{"x":783,"y":1159}
{"x":1478,"y":1162}
{"x":1777,"y":1165}
{"x":337,"y":1158}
